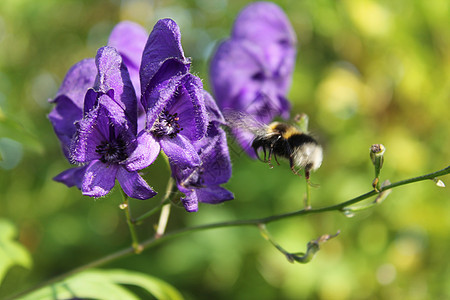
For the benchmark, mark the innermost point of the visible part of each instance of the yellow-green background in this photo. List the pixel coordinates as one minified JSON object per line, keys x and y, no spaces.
{"x":367,"y":72}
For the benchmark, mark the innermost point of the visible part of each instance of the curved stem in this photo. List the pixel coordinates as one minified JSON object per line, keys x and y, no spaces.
{"x":170,"y":189}
{"x":151,"y":242}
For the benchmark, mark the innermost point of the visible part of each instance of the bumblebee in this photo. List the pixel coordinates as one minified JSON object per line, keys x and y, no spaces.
{"x":280,"y":139}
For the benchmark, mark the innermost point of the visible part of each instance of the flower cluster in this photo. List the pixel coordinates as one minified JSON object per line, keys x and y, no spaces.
{"x":114,"y":114}
{"x":251,"y":71}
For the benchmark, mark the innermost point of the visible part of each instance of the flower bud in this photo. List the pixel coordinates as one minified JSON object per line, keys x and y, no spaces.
{"x":376,"y":155}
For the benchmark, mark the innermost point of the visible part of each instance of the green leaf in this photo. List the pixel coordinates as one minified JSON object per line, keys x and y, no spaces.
{"x":105,"y":284}
{"x":158,"y":288}
{"x":11,"y":252}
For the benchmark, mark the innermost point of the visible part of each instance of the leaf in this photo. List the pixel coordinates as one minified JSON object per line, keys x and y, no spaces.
{"x":158,"y":288}
{"x":11,"y":252}
{"x":105,"y":284}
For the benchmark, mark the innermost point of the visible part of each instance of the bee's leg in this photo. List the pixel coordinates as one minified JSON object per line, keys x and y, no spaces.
{"x":291,"y":163}
{"x":276,"y":159}
{"x":269,"y":160}
{"x":307,"y":171}
{"x":307,"y":174}
{"x":258,"y":156}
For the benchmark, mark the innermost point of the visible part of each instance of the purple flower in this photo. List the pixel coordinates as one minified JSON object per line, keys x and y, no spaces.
{"x":251,"y":71}
{"x":202,"y":183}
{"x":172,"y":97}
{"x":184,"y":119}
{"x":106,"y":141}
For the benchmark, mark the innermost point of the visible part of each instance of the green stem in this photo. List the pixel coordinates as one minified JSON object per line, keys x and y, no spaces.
{"x":135,"y":241}
{"x":153,"y":241}
{"x":170,"y":190}
{"x":163,"y":218}
{"x":308,"y":193}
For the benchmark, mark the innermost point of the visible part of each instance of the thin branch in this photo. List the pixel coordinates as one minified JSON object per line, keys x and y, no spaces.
{"x":253,"y":222}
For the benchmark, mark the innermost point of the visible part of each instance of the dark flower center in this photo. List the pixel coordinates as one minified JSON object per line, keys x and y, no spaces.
{"x":167,"y":125}
{"x":112,"y":151}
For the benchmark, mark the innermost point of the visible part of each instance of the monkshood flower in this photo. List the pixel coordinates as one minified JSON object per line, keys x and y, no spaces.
{"x":251,"y":71}
{"x":202,"y":183}
{"x":172,"y":97}
{"x":106,"y":141}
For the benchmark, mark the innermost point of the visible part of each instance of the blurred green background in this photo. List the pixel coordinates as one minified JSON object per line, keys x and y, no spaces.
{"x":367,"y":72}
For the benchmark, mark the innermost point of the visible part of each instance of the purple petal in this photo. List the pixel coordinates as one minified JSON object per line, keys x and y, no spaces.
{"x":96,"y":127}
{"x":78,"y":80}
{"x":216,"y":165}
{"x":134,"y":185}
{"x":213,"y":195}
{"x":63,"y":117}
{"x":245,"y":139}
{"x":71,"y":177}
{"x":99,"y":179}
{"x":214,"y":113}
{"x":129,"y":39}
{"x":160,"y":98}
{"x":235,"y":75}
{"x":145,"y":153}
{"x":190,"y":201}
{"x":180,"y":151}
{"x":264,"y":23}
{"x":190,"y":106}
{"x":84,"y":144}
{"x":169,"y":69}
{"x":113,"y":75}
{"x":163,"y":43}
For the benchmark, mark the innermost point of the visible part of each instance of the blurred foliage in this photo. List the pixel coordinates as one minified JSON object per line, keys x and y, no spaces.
{"x":367,"y":72}
{"x":106,"y":285}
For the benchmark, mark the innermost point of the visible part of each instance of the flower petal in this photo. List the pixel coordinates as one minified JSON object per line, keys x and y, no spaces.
{"x":214,"y":113}
{"x":214,"y":195}
{"x":98,"y":126}
{"x":99,"y":179}
{"x":78,"y":80}
{"x":160,"y":98}
{"x":163,"y":43}
{"x":84,"y":143}
{"x":213,"y":152}
{"x":264,"y":23}
{"x":71,"y":177}
{"x":113,"y":75}
{"x":129,"y":39}
{"x":180,"y":151}
{"x":63,"y":117}
{"x":145,"y":153}
{"x":235,"y":75}
{"x":190,"y":201}
{"x":189,"y":104}
{"x":134,"y":185}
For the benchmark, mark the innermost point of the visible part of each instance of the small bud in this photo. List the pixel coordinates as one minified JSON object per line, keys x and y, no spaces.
{"x":302,"y":121}
{"x":377,"y":152}
{"x":123,"y":205}
{"x":376,"y":155}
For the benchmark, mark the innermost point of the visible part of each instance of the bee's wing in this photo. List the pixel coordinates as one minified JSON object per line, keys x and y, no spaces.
{"x":244,"y":128}
{"x":243,"y":121}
